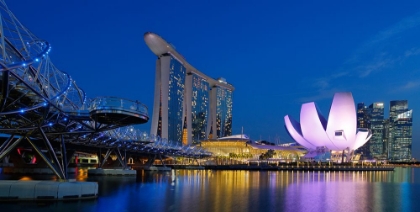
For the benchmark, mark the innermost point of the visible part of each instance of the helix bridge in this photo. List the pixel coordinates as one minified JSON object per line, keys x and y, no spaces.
{"x":42,"y":105}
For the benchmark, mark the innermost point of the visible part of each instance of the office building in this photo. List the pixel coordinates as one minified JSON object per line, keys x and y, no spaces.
{"x":400,"y":131}
{"x":376,"y":125}
{"x":363,"y":122}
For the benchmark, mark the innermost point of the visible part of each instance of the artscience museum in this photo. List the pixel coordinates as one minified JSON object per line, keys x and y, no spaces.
{"x":337,"y":133}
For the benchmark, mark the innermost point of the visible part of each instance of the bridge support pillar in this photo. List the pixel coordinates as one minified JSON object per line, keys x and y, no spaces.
{"x":6,"y":144}
{"x":198,"y":162}
{"x":161,"y":160}
{"x":57,"y":168}
{"x":9,"y":146}
{"x":6,"y":159}
{"x":52,"y":166}
{"x":64,"y":163}
{"x":149,"y":164}
{"x":107,"y":154}
{"x":123,"y":160}
{"x":150,"y":160}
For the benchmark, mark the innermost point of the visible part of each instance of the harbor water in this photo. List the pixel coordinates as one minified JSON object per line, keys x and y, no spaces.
{"x":206,"y":190}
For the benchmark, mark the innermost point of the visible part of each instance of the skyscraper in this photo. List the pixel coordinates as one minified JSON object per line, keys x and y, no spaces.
{"x":363,"y":122}
{"x":188,"y":105}
{"x":362,"y":115}
{"x":400,"y":131}
{"x":169,"y":98}
{"x":200,"y":100}
{"x":376,"y":125}
{"x":223,"y":110}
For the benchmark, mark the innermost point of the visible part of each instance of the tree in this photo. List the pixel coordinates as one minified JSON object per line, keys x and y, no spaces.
{"x":269,"y":154}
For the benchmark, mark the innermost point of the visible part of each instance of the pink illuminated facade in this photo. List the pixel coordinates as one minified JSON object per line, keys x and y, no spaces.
{"x":337,"y":133}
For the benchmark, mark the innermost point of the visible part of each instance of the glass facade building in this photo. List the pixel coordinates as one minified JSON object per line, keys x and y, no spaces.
{"x":363,"y":122}
{"x":199,"y":107}
{"x":376,"y":125}
{"x":175,"y":99}
{"x":362,"y":115}
{"x":400,"y":131}
{"x":224,"y":112}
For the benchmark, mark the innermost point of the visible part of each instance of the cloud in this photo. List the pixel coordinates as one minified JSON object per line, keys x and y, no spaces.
{"x":323,"y":83}
{"x":325,"y":94}
{"x":385,"y":61}
{"x":412,"y":52}
{"x":384,"y":49}
{"x":402,"y":26}
{"x":375,"y":66}
{"x":408,"y":86}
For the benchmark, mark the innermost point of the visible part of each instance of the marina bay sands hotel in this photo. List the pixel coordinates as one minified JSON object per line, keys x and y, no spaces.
{"x":189,"y":106}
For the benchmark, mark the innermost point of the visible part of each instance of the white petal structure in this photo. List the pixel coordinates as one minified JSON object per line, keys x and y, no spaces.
{"x":338,"y":133}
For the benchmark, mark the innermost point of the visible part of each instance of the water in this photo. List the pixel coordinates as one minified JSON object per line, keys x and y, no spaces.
{"x":203,"y":190}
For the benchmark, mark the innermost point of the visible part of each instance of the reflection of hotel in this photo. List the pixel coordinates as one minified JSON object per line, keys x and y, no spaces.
{"x":188,"y":106}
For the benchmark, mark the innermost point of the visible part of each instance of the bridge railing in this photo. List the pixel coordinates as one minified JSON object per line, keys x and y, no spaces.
{"x":115,"y":103}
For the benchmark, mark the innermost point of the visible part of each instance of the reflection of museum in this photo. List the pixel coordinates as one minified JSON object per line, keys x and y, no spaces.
{"x":243,"y":148}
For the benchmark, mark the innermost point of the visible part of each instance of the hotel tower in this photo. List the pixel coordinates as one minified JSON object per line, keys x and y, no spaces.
{"x":188,"y":105}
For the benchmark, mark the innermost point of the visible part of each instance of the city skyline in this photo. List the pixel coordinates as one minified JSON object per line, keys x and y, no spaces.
{"x":391,"y":136}
{"x":277,"y":55}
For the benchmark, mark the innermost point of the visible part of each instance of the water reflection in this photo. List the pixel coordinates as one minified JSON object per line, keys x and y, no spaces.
{"x":205,"y":190}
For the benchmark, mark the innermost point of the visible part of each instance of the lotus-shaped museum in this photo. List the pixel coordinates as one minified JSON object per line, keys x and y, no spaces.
{"x":338,"y":133}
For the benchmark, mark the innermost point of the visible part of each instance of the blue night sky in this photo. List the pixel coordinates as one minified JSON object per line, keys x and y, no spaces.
{"x":277,"y":54}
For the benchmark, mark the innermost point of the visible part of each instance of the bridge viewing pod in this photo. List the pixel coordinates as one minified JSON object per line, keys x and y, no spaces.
{"x":113,"y":110}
